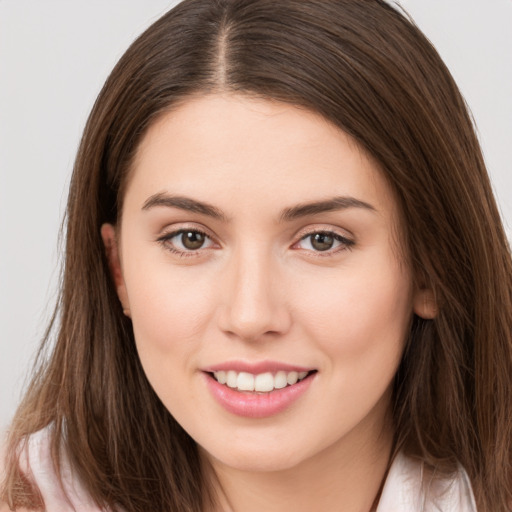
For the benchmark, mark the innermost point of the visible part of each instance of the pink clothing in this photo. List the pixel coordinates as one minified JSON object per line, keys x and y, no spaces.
{"x":36,"y":462}
{"x":407,"y":487}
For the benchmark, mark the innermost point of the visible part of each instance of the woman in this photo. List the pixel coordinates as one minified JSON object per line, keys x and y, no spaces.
{"x":286,"y":287}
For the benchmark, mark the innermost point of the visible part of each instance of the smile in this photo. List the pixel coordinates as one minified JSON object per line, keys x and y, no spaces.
{"x":260,"y":383}
{"x":258,"y":390}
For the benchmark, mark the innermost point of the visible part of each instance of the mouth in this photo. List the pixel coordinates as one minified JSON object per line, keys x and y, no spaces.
{"x":259,"y":383}
{"x":258,"y":389}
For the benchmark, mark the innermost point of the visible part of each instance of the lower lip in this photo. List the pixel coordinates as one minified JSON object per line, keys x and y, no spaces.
{"x":257,"y":405}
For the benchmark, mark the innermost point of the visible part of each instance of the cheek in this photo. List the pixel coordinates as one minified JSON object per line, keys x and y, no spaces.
{"x":360,"y":325}
{"x":357,"y":312}
{"x":169,"y":313}
{"x":169,"y":309}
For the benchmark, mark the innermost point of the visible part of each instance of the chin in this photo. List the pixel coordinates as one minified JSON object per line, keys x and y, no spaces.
{"x":253,"y":457}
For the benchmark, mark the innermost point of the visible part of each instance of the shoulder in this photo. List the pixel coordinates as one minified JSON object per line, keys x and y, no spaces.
{"x":60,"y":489}
{"x":410,"y":486}
{"x":3,"y":448}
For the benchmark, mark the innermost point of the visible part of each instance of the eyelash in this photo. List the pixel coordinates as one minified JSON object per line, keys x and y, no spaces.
{"x":165,"y":241}
{"x":345,"y":243}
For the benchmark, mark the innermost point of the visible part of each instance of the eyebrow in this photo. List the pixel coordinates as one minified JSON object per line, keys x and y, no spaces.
{"x":184,"y":203}
{"x":287,"y":215}
{"x":329,"y":205}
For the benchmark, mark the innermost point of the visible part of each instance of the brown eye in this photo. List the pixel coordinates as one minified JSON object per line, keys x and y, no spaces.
{"x":192,"y":240}
{"x":322,"y":241}
{"x":186,"y":241}
{"x":325,"y":241}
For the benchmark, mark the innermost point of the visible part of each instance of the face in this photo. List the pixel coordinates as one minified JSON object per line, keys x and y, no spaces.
{"x":258,"y":259}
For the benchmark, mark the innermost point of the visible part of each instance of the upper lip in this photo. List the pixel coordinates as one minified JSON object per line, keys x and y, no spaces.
{"x":256,"y":367}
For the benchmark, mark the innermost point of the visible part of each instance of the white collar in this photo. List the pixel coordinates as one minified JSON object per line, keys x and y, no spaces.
{"x":411,"y":488}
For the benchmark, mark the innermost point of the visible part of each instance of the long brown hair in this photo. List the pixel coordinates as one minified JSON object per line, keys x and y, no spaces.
{"x":368,"y":69}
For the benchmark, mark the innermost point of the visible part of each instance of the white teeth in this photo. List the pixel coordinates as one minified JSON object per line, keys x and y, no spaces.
{"x":264,"y":382}
{"x":280,"y":380}
{"x":292,"y":378}
{"x":245,"y":381}
{"x":261,"y":383}
{"x":231,"y":379}
{"x":221,"y":377}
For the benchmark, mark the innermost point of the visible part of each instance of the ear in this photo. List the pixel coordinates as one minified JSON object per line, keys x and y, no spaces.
{"x":108,"y":235}
{"x":425,"y":303}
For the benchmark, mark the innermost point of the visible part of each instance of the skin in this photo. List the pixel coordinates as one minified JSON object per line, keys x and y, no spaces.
{"x":260,"y":290}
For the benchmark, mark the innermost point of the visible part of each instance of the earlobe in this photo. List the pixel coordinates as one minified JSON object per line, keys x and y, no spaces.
{"x":108,"y":235}
{"x":425,"y":303}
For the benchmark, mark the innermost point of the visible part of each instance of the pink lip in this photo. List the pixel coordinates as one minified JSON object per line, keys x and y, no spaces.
{"x":255,"y":368}
{"x":257,"y":405}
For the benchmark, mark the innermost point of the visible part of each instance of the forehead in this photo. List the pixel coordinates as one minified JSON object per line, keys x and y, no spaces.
{"x":225,"y":147}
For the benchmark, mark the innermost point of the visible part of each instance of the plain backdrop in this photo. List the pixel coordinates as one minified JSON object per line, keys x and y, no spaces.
{"x":54,"y":58}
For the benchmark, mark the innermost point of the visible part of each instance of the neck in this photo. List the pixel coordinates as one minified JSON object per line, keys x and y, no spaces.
{"x":346,"y":477}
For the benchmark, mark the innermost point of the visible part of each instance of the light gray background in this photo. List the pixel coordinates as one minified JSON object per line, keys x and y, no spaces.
{"x":54,"y":58}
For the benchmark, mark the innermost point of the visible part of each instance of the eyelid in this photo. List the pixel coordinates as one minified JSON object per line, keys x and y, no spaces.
{"x":322,"y":228}
{"x":347,"y":240}
{"x":172,"y":231}
{"x":179,"y":227}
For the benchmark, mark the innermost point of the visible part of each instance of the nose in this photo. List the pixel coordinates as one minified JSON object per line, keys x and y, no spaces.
{"x":254,"y":302}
